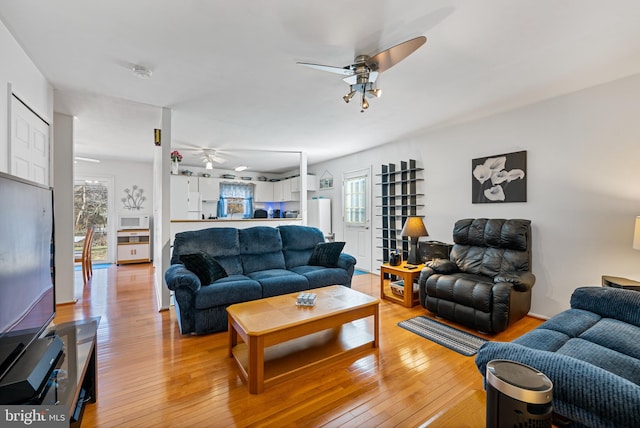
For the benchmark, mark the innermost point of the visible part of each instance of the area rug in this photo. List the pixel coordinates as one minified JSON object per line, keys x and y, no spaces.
{"x":457,"y":340}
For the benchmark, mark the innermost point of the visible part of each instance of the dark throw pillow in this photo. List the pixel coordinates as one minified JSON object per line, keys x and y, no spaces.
{"x":204,"y":266}
{"x":326,"y":254}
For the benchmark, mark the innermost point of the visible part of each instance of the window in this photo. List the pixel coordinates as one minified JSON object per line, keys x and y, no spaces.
{"x":355,"y":199}
{"x":236,"y":200}
{"x":90,"y":200}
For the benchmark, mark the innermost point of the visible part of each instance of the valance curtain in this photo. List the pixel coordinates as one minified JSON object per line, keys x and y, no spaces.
{"x":237,"y":191}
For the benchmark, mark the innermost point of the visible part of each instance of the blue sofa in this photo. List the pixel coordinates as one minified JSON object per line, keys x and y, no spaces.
{"x":258,"y":261}
{"x":591,"y":353}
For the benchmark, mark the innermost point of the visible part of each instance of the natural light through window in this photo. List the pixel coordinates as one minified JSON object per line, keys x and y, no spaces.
{"x":355,"y":201}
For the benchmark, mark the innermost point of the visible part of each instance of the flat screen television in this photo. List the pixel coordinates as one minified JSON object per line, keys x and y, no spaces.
{"x":27,"y":284}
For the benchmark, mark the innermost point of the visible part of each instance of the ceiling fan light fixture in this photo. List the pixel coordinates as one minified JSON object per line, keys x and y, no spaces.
{"x":365,"y":104}
{"x":208,"y":165}
{"x":141,"y":72}
{"x":375,"y":92}
{"x":350,"y":95}
{"x":80,"y":158}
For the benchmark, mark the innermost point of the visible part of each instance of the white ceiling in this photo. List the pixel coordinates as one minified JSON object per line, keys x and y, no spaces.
{"x":228,"y":69}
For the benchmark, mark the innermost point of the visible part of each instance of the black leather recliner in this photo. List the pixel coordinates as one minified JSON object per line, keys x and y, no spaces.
{"x":486,"y":282}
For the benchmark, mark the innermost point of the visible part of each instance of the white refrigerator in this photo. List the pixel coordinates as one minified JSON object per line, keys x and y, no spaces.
{"x":319,"y":215}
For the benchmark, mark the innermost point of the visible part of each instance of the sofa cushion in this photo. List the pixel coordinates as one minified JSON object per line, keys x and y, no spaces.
{"x":543,"y":339}
{"x":204,"y":266}
{"x":221,"y":243}
{"x":491,"y":246}
{"x":227,"y":291}
{"x":572,"y":322}
{"x":498,"y":233}
{"x":261,"y":249}
{"x":462,"y":289}
{"x":275,"y":282}
{"x":609,"y":302}
{"x":326,"y":254}
{"x":319,"y":276}
{"x":625,"y":341}
{"x":608,"y":359}
{"x":298,"y":243}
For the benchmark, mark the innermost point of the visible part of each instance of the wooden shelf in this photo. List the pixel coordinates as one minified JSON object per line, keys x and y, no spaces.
{"x":400,"y":171}
{"x":399,"y":200}
{"x":133,"y":246}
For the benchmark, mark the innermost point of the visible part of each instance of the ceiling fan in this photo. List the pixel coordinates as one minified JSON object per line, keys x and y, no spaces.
{"x":209,"y":156}
{"x":362,"y":74}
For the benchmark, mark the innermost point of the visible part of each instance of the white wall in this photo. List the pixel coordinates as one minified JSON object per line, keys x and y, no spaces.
{"x":63,"y":134}
{"x":124,"y":174}
{"x":161,"y":210}
{"x":26,"y":81}
{"x":583,"y":183}
{"x":19,"y":75}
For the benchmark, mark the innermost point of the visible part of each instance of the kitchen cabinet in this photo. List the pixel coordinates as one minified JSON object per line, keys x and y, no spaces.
{"x":282,"y":191}
{"x":193,"y":183}
{"x":185,"y":198}
{"x":312,"y":184}
{"x":133,"y":246}
{"x":263,"y":191}
{"x":209,"y":188}
{"x":179,"y":197}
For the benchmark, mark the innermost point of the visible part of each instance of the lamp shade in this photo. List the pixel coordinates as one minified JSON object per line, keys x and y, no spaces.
{"x":414,"y":227}
{"x":636,"y":235}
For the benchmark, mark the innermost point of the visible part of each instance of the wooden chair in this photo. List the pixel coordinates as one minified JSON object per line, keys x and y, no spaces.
{"x":85,"y":257}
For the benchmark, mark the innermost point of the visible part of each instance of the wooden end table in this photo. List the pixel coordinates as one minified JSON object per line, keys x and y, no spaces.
{"x":407,"y":275}
{"x":618,"y":282}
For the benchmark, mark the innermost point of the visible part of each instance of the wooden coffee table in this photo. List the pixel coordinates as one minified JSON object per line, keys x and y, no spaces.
{"x":280,"y":339}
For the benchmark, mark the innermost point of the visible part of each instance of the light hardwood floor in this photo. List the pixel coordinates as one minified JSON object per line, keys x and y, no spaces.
{"x":151,"y":376}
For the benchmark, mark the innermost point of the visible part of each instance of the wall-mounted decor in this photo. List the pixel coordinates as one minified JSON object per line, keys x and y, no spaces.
{"x":500,"y":178}
{"x":326,"y":180}
{"x":134,"y":198}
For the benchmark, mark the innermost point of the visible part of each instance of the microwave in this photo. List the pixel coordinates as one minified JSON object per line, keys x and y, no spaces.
{"x":133,"y":222}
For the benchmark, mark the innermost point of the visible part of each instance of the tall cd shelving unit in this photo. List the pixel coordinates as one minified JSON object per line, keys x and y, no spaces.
{"x":399,"y":198}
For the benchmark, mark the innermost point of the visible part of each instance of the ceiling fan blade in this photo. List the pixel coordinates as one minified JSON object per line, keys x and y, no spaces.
{"x":390,"y":57}
{"x":338,"y":70}
{"x":352,"y":80}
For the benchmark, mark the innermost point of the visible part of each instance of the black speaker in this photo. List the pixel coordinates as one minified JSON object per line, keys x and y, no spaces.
{"x":32,"y":371}
{"x":429,"y":250}
{"x":517,"y":396}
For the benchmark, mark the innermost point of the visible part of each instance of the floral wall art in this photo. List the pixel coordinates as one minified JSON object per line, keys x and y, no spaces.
{"x":133,"y":198}
{"x":500,"y":178}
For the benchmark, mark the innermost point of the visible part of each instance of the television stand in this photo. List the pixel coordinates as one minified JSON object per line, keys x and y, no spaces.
{"x":75,"y":382}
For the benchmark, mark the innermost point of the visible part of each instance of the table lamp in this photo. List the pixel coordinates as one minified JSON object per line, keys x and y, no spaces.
{"x":414,"y":229}
{"x":636,"y":235}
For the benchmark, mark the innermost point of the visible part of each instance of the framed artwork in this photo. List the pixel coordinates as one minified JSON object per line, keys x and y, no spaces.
{"x":326,"y":181}
{"x":499,"y":178}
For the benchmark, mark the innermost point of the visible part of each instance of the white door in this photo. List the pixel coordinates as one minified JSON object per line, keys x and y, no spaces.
{"x":356,"y":192}
{"x":29,"y":148}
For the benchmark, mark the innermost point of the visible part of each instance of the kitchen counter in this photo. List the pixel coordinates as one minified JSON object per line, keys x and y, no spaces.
{"x":227,"y":220}
{"x":185,"y":225}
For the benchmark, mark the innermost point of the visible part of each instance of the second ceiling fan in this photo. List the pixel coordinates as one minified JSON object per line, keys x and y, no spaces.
{"x":362,"y":74}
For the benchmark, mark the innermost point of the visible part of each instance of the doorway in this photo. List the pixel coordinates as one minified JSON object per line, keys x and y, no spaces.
{"x":91,"y":207}
{"x":357,"y":216}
